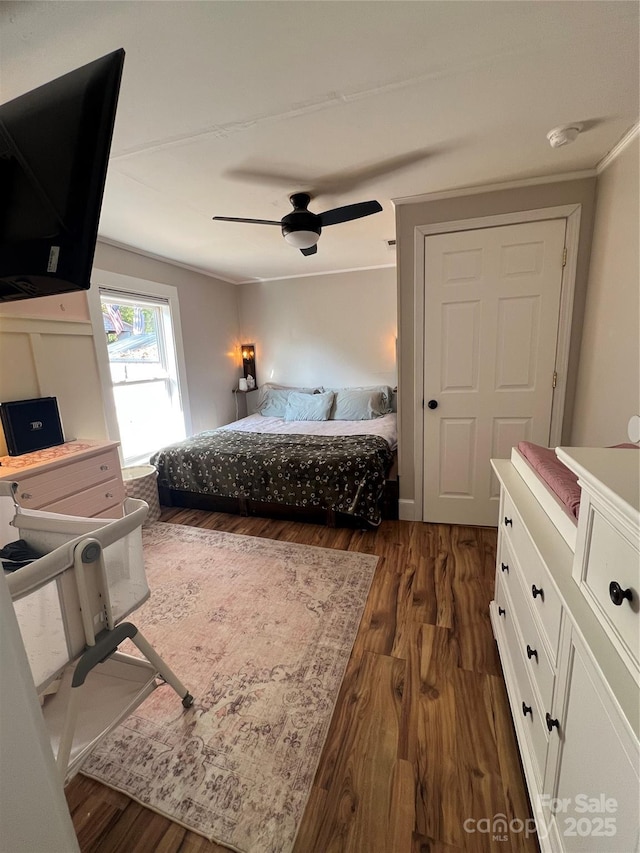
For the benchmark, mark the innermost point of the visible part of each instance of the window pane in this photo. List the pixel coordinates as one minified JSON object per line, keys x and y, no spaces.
{"x":143,"y":374}
{"x":146,"y":418}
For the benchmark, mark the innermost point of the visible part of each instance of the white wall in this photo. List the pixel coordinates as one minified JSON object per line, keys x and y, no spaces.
{"x":334,"y":330}
{"x":43,"y":358}
{"x":210,"y":331}
{"x":608,"y":386}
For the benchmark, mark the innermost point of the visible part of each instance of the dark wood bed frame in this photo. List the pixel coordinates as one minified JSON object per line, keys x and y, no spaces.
{"x":317,"y":515}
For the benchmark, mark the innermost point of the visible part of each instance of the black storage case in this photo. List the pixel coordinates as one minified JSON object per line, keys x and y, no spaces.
{"x":31,"y":425}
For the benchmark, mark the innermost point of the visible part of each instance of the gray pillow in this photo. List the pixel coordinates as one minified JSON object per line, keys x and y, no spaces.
{"x":274,"y":399}
{"x":358,"y":404}
{"x":274,"y":402}
{"x":386,"y":397}
{"x":308,"y":407}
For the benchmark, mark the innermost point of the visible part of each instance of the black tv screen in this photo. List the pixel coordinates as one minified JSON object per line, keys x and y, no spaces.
{"x":54,"y":152}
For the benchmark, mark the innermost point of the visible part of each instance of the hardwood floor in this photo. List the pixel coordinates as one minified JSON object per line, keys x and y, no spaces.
{"x":421,"y":744}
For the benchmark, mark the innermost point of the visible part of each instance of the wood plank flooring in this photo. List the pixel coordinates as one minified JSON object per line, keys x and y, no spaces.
{"x":421,"y":739}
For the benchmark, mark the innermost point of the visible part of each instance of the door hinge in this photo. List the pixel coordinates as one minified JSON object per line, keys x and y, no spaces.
{"x":564,"y":257}
{"x":555,"y":378}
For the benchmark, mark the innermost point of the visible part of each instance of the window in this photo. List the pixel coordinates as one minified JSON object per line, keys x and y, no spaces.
{"x":141,"y":363}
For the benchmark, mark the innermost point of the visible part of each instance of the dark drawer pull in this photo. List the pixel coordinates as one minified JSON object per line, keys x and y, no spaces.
{"x":504,"y":567}
{"x":526,"y":709}
{"x":532,"y":653}
{"x":502,"y":611}
{"x":535,"y":592}
{"x":551,"y":723}
{"x":617,"y":594}
{"x":508,"y":521}
{"x":104,"y":467}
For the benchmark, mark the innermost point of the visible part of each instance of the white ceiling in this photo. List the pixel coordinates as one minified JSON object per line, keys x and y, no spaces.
{"x":352,"y":100}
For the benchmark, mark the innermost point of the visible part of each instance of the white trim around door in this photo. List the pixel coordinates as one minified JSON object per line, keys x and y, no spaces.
{"x":571,"y":213}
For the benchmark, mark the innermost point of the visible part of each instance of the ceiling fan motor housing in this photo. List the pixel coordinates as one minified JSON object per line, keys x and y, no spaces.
{"x":300,"y":219}
{"x":306,"y":221}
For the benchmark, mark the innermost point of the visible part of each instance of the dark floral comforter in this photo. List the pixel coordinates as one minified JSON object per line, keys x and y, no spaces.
{"x":343,"y":473}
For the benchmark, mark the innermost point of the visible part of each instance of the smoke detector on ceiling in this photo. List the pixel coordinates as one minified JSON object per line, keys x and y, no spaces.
{"x":563,"y":135}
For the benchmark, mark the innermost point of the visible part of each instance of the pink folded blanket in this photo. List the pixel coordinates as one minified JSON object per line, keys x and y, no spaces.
{"x":555,"y":474}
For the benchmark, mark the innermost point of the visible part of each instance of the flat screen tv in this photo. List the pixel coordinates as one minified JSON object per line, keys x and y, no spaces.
{"x":54,"y":152}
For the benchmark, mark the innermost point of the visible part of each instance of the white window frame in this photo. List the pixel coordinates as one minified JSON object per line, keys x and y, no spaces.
{"x":131,"y":286}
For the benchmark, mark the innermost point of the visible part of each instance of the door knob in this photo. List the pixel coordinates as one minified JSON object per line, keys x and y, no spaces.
{"x":616,"y":593}
{"x":432,"y":404}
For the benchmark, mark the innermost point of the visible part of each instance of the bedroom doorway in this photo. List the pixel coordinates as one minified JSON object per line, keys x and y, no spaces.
{"x":492,"y":303}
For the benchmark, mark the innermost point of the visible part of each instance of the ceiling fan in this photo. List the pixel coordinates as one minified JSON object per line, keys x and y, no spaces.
{"x":301,"y":228}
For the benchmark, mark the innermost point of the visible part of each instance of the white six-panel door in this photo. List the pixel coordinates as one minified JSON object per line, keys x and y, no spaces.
{"x":492,"y":300}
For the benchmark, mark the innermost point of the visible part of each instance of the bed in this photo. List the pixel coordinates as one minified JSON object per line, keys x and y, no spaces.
{"x":338,"y":470}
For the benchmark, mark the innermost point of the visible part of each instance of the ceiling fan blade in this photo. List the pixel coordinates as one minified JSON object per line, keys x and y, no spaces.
{"x":253,"y":221}
{"x":349,"y":212}
{"x":275,"y":175}
{"x":310,"y":251}
{"x":278,"y":174}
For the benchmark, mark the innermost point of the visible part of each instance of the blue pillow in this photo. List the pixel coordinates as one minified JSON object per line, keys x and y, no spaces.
{"x":308,"y":407}
{"x":358,"y":404}
{"x":274,"y":403}
{"x":273,"y":398}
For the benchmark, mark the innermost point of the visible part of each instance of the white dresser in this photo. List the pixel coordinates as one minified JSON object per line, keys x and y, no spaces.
{"x":567,"y":624}
{"x":76,"y":478}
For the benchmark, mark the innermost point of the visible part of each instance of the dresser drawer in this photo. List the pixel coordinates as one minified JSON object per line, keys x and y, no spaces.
{"x":532,"y":646}
{"x":47,"y":488}
{"x":542,"y":594}
{"x":522,"y":696}
{"x":610,"y":570}
{"x":91,"y":502}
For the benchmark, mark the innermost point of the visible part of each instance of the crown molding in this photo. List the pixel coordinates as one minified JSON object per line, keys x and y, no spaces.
{"x":317,"y":274}
{"x":618,"y":148}
{"x":164,"y":260}
{"x":255,"y":280}
{"x":476,"y":189}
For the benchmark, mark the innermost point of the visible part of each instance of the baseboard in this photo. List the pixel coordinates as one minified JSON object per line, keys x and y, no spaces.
{"x":407,"y":510}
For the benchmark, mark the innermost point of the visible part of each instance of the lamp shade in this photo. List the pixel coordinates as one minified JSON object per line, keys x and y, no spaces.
{"x":302,"y":239}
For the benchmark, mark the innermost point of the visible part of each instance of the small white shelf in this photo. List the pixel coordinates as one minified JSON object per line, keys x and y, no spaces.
{"x":112,"y":691}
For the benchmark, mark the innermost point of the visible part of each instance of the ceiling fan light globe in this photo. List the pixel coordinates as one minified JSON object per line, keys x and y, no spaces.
{"x":301,"y":239}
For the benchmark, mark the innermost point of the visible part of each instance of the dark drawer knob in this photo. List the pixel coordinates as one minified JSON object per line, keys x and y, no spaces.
{"x":551,"y":723}
{"x":527,"y":709}
{"x":532,"y":653}
{"x":508,"y":522}
{"x":504,"y":567}
{"x":537,"y":591}
{"x":432,"y":404}
{"x":617,"y":594}
{"x":502,"y":611}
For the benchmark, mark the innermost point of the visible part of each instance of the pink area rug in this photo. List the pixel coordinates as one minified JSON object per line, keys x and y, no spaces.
{"x":260,"y":632}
